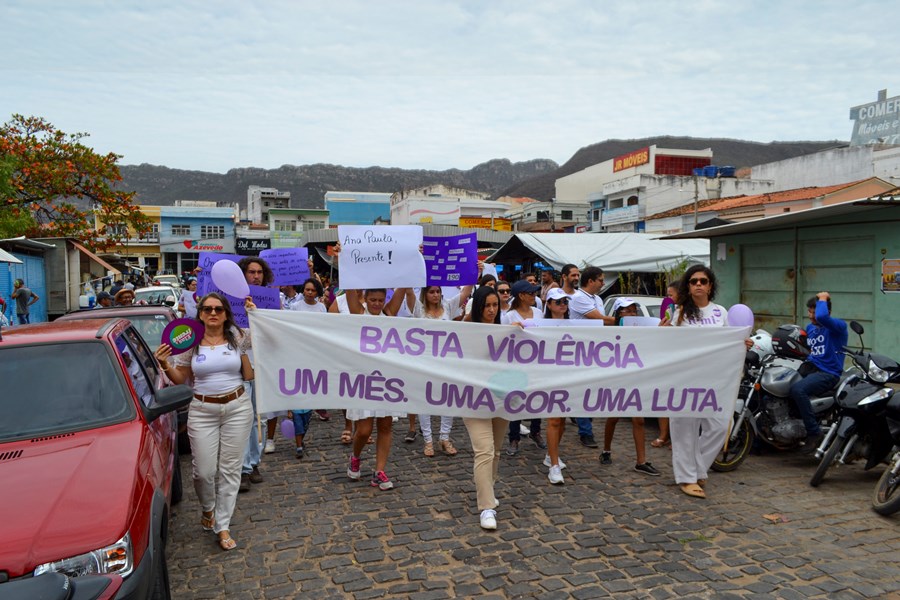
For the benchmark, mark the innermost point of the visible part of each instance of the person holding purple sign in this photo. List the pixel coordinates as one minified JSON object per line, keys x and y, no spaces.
{"x":431,"y":305}
{"x":696,"y":441}
{"x":257,"y":272}
{"x":221,"y":415}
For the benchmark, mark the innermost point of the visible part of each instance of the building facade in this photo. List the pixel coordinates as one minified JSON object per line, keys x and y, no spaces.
{"x":357,"y":208}
{"x":442,"y":205}
{"x":260,"y":200}
{"x":186,"y":231}
{"x":288,"y":226}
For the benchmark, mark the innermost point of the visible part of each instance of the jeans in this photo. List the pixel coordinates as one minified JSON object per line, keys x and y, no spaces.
{"x":24,"y":319}
{"x":301,"y":421}
{"x":813,"y":384}
{"x":425,"y":424}
{"x":515,"y":435}
{"x":585,"y":426}
{"x":217,"y":433}
{"x":252,"y":451}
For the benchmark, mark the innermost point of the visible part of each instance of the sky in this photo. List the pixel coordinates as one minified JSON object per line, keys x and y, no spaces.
{"x":424,"y":84}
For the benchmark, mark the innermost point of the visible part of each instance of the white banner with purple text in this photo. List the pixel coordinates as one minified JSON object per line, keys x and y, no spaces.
{"x":423,"y":366}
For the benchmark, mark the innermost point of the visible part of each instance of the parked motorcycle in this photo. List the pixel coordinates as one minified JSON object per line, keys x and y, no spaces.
{"x":862,"y":430}
{"x":56,"y":586}
{"x":764,"y":408}
{"x":886,"y":500}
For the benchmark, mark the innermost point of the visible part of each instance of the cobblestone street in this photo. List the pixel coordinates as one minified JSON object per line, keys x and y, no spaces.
{"x":308,"y":531}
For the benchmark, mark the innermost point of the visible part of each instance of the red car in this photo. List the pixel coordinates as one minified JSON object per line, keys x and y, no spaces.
{"x":87,"y":454}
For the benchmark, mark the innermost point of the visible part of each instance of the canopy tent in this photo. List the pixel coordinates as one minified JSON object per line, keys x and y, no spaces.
{"x":615,"y":252}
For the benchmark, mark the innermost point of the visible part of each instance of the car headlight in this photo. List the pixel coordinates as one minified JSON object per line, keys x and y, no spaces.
{"x":117,"y":558}
{"x":876,"y":373}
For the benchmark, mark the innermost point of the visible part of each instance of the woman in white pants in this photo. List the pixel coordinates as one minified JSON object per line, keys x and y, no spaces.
{"x":696,"y":440}
{"x":221,"y":415}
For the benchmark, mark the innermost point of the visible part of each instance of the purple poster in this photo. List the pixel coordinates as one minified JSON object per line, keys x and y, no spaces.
{"x":289,"y":265}
{"x":206,"y":260}
{"x":263,"y":297}
{"x":452,"y":260}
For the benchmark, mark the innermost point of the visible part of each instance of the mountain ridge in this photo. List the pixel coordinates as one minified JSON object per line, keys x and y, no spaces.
{"x":161,"y":185}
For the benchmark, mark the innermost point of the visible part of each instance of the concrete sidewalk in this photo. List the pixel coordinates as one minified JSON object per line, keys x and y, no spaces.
{"x":308,"y":531}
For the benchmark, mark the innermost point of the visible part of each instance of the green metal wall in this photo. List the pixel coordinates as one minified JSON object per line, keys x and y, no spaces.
{"x":775,"y":272}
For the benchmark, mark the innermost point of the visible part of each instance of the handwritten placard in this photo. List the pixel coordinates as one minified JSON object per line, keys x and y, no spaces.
{"x":263,"y":297}
{"x":290,"y":265}
{"x":206,"y":261}
{"x":451,"y":260}
{"x":384,"y":256}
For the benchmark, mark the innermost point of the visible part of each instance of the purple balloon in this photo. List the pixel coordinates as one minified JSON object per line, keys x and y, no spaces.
{"x":287,"y":429}
{"x":229,"y":278}
{"x":740,"y":315}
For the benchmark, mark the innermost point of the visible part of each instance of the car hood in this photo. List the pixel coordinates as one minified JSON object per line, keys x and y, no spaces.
{"x":66,"y":496}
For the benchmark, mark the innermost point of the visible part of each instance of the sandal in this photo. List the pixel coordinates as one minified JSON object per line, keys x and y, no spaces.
{"x":660,"y":443}
{"x":410,"y":437}
{"x":227,"y":542}
{"x":207,"y":521}
{"x":694,"y":490}
{"x":346,"y":436}
{"x":701,"y":483}
{"x":429,"y":449}
{"x":448,"y":448}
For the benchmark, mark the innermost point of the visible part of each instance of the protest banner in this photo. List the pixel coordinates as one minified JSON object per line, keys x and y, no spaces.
{"x":290,"y":265}
{"x":473,"y":369}
{"x":384,"y":256}
{"x":451,"y":260}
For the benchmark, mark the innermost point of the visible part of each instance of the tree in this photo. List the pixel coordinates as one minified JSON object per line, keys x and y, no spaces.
{"x":44,"y":172}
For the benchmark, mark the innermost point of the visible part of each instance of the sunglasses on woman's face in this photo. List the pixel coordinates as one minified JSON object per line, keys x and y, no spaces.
{"x":212,"y":309}
{"x":561,"y":301}
{"x":502,"y":291}
{"x":699,"y":281}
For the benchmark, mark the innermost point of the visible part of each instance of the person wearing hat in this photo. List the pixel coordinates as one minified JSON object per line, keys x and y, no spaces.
{"x":124,"y":297}
{"x":627,"y":307}
{"x":556,"y":307}
{"x":104,"y":300}
{"x":521,"y":309}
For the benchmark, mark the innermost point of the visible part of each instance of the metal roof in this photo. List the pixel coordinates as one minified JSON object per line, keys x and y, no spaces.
{"x":790,"y":220}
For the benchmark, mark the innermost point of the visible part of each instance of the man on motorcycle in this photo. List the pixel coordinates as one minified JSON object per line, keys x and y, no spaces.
{"x":822,"y":369}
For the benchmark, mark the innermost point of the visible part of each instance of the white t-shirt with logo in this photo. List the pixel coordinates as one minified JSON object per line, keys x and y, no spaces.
{"x":711,"y":315}
{"x":582,"y":303}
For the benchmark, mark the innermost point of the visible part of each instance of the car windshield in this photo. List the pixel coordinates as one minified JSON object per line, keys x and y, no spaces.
{"x":150,"y":327}
{"x":153,"y":296}
{"x":58,"y":388}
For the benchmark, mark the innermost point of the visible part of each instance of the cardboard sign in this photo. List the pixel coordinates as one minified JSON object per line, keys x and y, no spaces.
{"x":290,"y":265}
{"x":451,"y":260}
{"x":385,"y":256}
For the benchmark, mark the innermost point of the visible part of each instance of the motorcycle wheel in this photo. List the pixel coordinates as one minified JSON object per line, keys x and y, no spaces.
{"x":886,"y":500}
{"x":827,"y":461}
{"x":738,"y":448}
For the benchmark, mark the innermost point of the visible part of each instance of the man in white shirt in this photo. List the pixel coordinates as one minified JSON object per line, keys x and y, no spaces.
{"x":585,"y":303}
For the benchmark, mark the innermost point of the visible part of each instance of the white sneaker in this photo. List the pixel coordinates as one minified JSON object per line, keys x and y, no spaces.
{"x":489,"y":519}
{"x":556,"y":476}
{"x":270,"y":447}
{"x":524,"y":430}
{"x":547,"y":463}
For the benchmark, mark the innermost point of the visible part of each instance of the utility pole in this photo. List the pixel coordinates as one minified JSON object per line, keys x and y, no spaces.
{"x":552,"y":216}
{"x":696,"y":201}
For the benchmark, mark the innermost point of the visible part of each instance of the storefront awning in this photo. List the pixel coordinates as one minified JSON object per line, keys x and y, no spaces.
{"x":96,"y":258}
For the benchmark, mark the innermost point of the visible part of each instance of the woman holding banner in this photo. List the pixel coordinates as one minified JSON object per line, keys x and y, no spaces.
{"x":556,"y":307}
{"x":220,"y":416}
{"x":696,"y":441}
{"x":486,"y":434}
{"x":365,"y":419}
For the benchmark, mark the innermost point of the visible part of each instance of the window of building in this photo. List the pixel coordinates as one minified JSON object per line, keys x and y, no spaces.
{"x":308,"y":225}
{"x":633,"y":201}
{"x":181,"y":230}
{"x":281,"y":225}
{"x":566,"y":215}
{"x":212,"y":232}
{"x":117,"y":230}
{"x":596,"y":216}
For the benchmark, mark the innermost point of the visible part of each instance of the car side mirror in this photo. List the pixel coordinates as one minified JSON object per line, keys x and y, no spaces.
{"x":169,"y":399}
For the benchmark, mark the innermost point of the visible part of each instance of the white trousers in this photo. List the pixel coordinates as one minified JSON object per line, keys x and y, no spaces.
{"x":425,"y":424}
{"x":218,"y":434}
{"x":487,"y":437}
{"x":692,"y":451}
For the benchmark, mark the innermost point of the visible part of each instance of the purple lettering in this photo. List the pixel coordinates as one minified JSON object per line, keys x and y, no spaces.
{"x":369,"y":339}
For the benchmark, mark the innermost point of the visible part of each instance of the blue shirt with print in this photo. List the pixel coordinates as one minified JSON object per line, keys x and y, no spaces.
{"x":825,"y":341}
